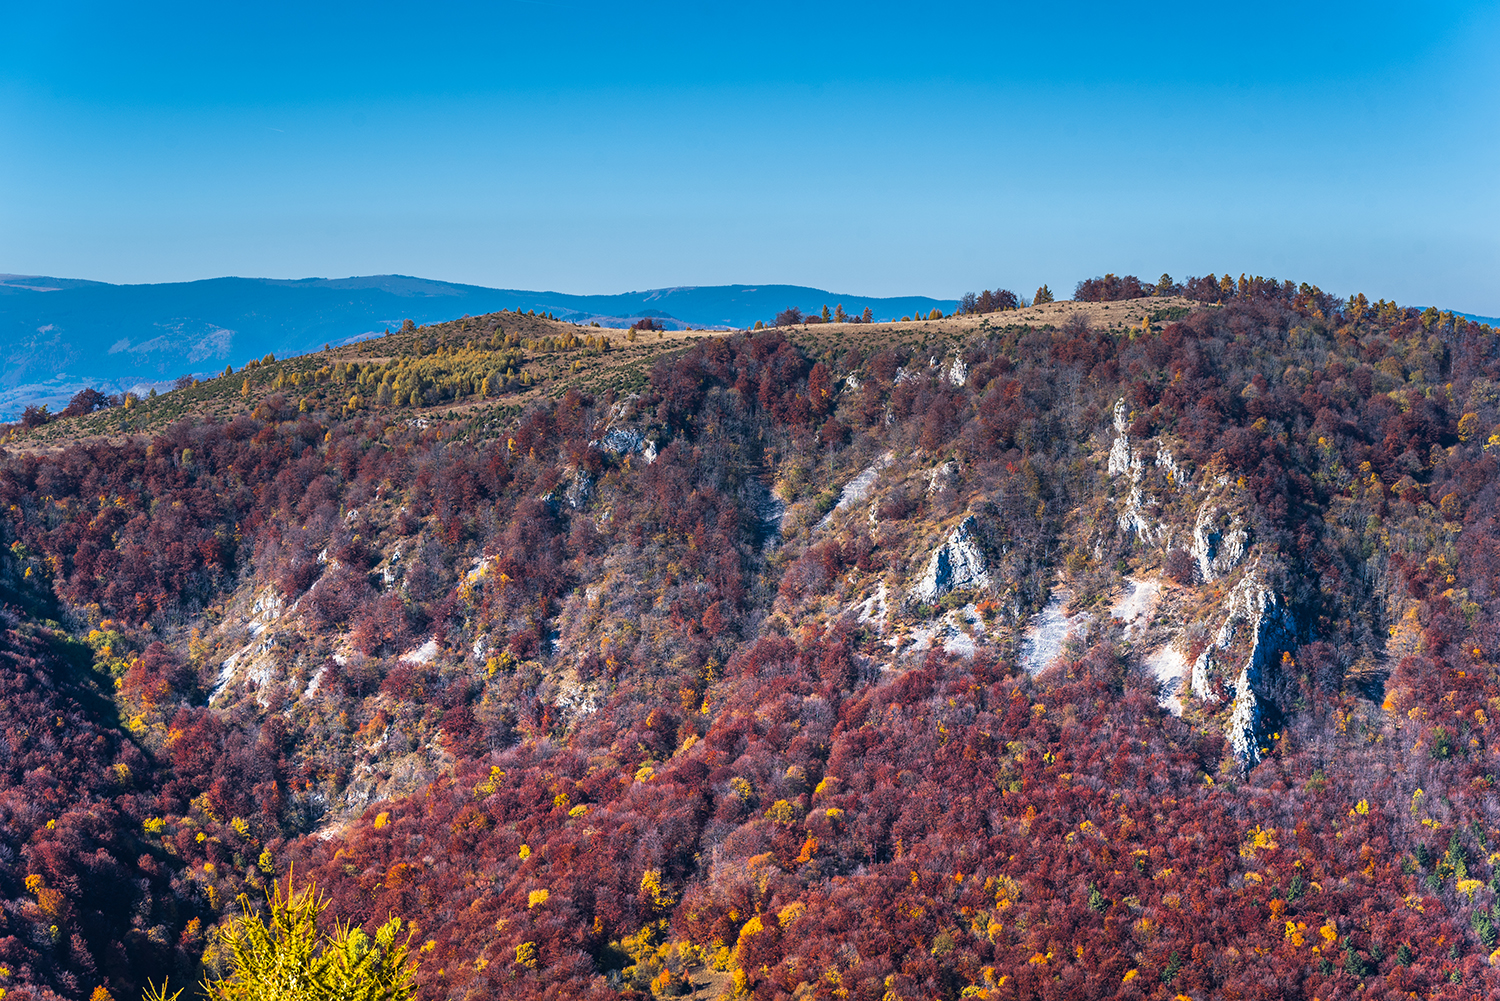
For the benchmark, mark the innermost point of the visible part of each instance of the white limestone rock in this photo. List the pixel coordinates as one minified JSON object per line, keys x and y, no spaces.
{"x":623,"y":441}
{"x":1243,"y":729}
{"x":580,"y":491}
{"x":1201,"y":687}
{"x":1219,"y":542}
{"x":943,"y":475}
{"x":1259,"y":612}
{"x":623,"y":435}
{"x":1134,"y":519}
{"x":1165,"y":460}
{"x":1119,"y":452}
{"x":858,"y":488}
{"x":424,"y":654}
{"x":958,"y":564}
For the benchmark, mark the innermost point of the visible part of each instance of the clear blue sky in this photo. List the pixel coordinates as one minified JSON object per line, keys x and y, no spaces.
{"x":872,"y":148}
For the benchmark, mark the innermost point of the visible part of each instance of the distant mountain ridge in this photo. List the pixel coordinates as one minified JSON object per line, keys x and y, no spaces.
{"x":58,"y":335}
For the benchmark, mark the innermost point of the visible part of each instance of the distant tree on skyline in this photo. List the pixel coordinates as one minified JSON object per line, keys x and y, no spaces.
{"x":86,"y":401}
{"x":35,"y":416}
{"x":988,"y":302}
{"x":1110,"y":288}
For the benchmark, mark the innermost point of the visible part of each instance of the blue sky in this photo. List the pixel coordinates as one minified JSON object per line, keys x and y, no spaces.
{"x":873,"y":148}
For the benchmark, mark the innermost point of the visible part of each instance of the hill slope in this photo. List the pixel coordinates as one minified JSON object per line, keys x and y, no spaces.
{"x":1138,"y":649}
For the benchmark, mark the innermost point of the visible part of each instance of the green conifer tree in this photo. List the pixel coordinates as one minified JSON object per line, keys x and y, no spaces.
{"x":287,"y":958}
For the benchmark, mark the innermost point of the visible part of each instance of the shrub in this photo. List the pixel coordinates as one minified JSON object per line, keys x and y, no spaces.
{"x":1179,"y":566}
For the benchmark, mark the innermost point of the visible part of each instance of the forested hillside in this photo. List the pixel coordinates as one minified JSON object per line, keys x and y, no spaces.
{"x":1006,"y":656}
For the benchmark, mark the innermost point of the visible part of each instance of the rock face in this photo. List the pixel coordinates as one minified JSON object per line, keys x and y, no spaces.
{"x":580,"y":491}
{"x":1256,"y":624}
{"x":769,"y":509}
{"x":1219,"y":542}
{"x":941,"y":476}
{"x":1119,"y":452}
{"x":1167,"y":461}
{"x":1123,"y":460}
{"x":958,"y":564}
{"x":623,"y":441}
{"x":858,"y":488}
{"x":623,"y":437}
{"x":1254,"y":611}
{"x":958,"y":372}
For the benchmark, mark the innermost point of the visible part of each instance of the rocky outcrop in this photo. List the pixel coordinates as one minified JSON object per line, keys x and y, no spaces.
{"x":623,"y":441}
{"x":1219,"y":542}
{"x":942,"y":476}
{"x":858,"y":488}
{"x":958,"y":564}
{"x":1164,"y":486}
{"x":1119,"y":452}
{"x":1127,"y":460}
{"x":769,"y":511}
{"x":622,"y":437}
{"x":958,"y":372}
{"x":1166,"y":461}
{"x":1256,"y":614}
{"x":580,"y":491}
{"x":1134,"y":519}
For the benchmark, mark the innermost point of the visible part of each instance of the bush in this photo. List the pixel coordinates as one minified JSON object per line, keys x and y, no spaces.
{"x":1179,"y":566}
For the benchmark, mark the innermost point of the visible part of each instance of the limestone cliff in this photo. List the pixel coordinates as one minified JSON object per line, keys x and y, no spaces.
{"x":956,"y":565}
